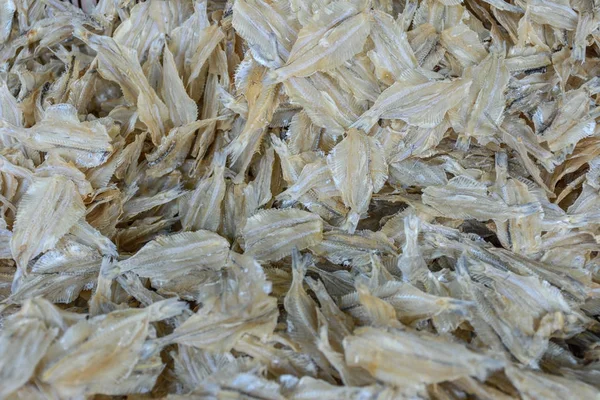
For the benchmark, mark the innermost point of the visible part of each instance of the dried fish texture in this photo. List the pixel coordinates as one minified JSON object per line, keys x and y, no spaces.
{"x":85,"y":143}
{"x":378,"y":351}
{"x":272,"y":234}
{"x":59,"y":275}
{"x":33,"y":335}
{"x":184,"y":252}
{"x":357,"y":178}
{"x":327,"y":44}
{"x":47,"y":211}
{"x":115,"y":340}
{"x":463,"y":197}
{"x":202,"y":208}
{"x":299,"y":199}
{"x":422,"y":104}
{"x":392,"y":55}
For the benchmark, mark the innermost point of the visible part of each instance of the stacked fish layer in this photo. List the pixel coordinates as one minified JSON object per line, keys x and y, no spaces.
{"x":300,"y":199}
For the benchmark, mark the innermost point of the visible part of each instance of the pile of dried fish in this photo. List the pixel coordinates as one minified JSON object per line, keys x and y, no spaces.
{"x":300,"y":199}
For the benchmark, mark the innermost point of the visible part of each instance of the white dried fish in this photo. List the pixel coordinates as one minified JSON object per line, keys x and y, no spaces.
{"x":532,"y":385}
{"x":272,"y":234}
{"x":219,"y":330}
{"x":65,"y":365}
{"x":328,"y":44}
{"x":183,"y":253}
{"x":113,"y":60}
{"x":33,"y":334}
{"x":202,"y":208}
{"x":392,"y":54}
{"x":357,"y":179}
{"x":378,"y":352}
{"x":85,"y":143}
{"x":422,"y":104}
{"x":54,"y":200}
{"x":464,"y":197}
{"x":182,"y":109}
{"x":319,"y":199}
{"x":6,"y":18}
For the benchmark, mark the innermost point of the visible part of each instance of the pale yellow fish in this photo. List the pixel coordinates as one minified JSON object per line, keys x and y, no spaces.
{"x":357,"y":178}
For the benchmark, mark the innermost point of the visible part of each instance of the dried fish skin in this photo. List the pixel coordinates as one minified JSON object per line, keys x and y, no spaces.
{"x":183,"y":252}
{"x":302,"y":312}
{"x":6,"y":18}
{"x":524,"y":232}
{"x":310,"y":388}
{"x":341,"y":247}
{"x":533,"y":385}
{"x":571,"y":123}
{"x":218,"y":331}
{"x":464,"y":44}
{"x":33,"y":338}
{"x":270,"y":235}
{"x":87,"y":144}
{"x":413,"y":172}
{"x":484,"y":105}
{"x":378,"y":351}
{"x":358,"y":78}
{"x":557,"y":14}
{"x":525,"y":335}
{"x":357,"y":179}
{"x":320,"y":109}
{"x":249,"y":22}
{"x":262,"y":101}
{"x":59,"y":275}
{"x":116,"y":340}
{"x":113,"y":60}
{"x":55,"y":201}
{"x":173,"y":149}
{"x":314,"y":176}
{"x":202,"y":208}
{"x":392,"y":55}
{"x":331,"y":49}
{"x":409,"y":303}
{"x":138,"y":205}
{"x":466,"y":198}
{"x":422,"y":104}
{"x":182,"y":109}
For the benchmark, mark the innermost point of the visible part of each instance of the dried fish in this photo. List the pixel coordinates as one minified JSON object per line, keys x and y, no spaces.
{"x":378,"y":351}
{"x":55,"y":201}
{"x":299,"y":199}
{"x":417,"y":103}
{"x":85,"y":143}
{"x":464,"y":198}
{"x":357,"y":179}
{"x":184,"y":252}
{"x":320,"y":47}
{"x":272,"y":234}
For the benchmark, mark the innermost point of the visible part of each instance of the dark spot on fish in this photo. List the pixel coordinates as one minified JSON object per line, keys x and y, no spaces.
{"x":540,"y":70}
{"x":163,"y":155}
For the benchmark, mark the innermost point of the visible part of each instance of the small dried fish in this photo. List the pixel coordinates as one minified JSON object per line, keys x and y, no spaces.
{"x":85,"y":143}
{"x":202,"y":208}
{"x":272,"y":234}
{"x":357,"y":179}
{"x":55,"y":201}
{"x":184,"y":251}
{"x":320,"y":47}
{"x":65,"y":366}
{"x":34,"y":334}
{"x":464,"y":198}
{"x":417,"y":103}
{"x":299,"y":199}
{"x":377,"y":351}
